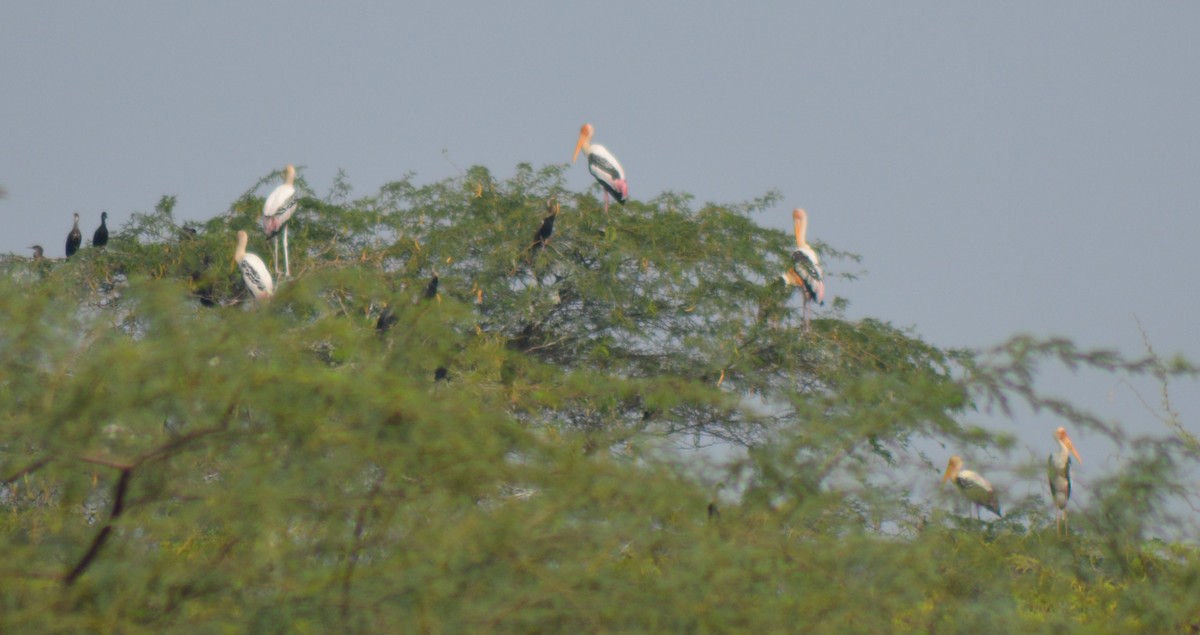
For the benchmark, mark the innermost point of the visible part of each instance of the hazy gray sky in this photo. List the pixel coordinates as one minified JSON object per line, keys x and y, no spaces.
{"x":1001,"y":167}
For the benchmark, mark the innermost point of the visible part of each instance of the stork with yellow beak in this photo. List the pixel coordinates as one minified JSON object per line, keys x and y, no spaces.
{"x":973,"y":486}
{"x":603,"y":165}
{"x":1058,"y":469}
{"x":806,"y":270}
{"x":277,"y":211}
{"x":254,"y":270}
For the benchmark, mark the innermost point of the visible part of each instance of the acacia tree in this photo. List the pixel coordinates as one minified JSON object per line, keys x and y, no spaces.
{"x":175,"y":457}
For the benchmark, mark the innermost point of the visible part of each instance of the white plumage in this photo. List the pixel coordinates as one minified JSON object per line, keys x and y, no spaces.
{"x":603,"y":165}
{"x":277,"y":211}
{"x":805,"y":271}
{"x":254,"y":270}
{"x":973,"y":486}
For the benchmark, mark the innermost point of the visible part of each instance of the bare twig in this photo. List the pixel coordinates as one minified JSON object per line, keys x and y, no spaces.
{"x":28,"y":469}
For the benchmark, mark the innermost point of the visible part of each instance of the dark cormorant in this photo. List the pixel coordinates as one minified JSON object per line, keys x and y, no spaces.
{"x":75,"y":238}
{"x":100,"y":238}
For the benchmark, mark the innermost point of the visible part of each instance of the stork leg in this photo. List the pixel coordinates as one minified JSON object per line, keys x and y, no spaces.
{"x":287,"y":267}
{"x":606,"y":202}
{"x":275,"y":253}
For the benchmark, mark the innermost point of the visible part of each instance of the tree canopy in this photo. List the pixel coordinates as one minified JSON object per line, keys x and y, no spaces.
{"x":531,"y":448}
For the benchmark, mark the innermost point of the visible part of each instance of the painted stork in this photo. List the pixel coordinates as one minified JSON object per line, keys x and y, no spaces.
{"x":100,"y":238}
{"x":973,"y":486}
{"x":254,"y":271}
{"x":603,"y":165}
{"x":277,"y":211}
{"x":806,"y":270}
{"x":75,"y":238}
{"x":1058,"y":469}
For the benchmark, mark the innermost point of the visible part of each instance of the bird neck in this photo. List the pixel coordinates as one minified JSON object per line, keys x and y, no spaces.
{"x":801,"y":228}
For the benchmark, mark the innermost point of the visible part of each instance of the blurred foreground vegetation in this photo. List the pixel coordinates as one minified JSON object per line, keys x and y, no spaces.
{"x":633,"y":434}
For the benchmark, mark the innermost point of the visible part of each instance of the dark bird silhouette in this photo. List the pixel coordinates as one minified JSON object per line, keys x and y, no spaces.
{"x":547,"y":229}
{"x":75,"y":238}
{"x":386,"y":320}
{"x":431,"y":289}
{"x":37,"y":252}
{"x":100,"y":238}
{"x":441,"y":374}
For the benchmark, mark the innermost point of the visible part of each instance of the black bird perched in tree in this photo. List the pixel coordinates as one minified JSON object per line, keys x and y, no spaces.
{"x":37,"y":252}
{"x":431,"y":289}
{"x":75,"y":238}
{"x":100,"y":238}
{"x":441,"y":374}
{"x":386,"y":320}
{"x":547,"y":229}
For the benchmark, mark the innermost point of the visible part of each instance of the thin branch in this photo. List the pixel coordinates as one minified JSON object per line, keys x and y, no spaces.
{"x":28,"y":469}
{"x":102,"y":537}
{"x":360,"y":523}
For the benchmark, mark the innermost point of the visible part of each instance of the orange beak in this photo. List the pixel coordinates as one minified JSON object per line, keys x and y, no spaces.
{"x":585,"y":134}
{"x":1071,"y":447}
{"x":952,"y":469}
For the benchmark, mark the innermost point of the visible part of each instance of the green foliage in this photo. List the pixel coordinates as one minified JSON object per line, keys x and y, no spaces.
{"x":175,"y":457}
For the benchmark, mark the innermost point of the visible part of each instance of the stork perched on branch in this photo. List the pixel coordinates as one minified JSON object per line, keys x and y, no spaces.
{"x":1058,"y":469}
{"x":277,"y":211}
{"x":973,"y":486}
{"x":603,"y":165}
{"x":805,"y":271}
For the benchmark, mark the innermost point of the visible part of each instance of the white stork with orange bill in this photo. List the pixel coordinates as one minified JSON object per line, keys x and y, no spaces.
{"x":254,"y":270}
{"x":1058,"y":469}
{"x":806,"y":270}
{"x":973,"y":486}
{"x":277,"y":211}
{"x":603,"y":165}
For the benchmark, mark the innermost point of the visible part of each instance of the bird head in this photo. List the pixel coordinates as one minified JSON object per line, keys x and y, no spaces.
{"x":952,"y":468}
{"x":800,"y":224}
{"x":240,"y":251}
{"x":1061,"y":435}
{"x":585,"y":137}
{"x":289,"y":174}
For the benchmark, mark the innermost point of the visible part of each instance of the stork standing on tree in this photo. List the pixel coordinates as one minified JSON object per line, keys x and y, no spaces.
{"x":973,"y":486}
{"x":277,"y":211}
{"x":1058,"y":469}
{"x":603,"y":165}
{"x":806,"y":270}
{"x":254,"y":271}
